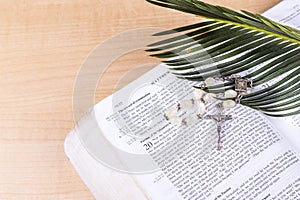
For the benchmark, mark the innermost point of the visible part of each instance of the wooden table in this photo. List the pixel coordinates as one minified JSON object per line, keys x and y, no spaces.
{"x":43,"y":44}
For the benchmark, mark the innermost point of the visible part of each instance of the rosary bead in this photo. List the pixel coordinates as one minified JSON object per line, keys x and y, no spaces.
{"x":229,"y":104}
{"x":230,"y":94}
{"x":210,"y":82}
{"x":209,"y":98}
{"x":192,"y":119}
{"x":186,"y":104}
{"x":171,"y":112}
{"x":176,"y":120}
{"x":201,"y":108}
{"x":249,"y":90}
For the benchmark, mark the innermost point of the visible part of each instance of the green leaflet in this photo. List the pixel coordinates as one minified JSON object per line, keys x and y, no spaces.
{"x":233,"y":43}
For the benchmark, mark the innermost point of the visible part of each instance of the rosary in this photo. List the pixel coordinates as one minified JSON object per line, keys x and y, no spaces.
{"x":201,"y":99}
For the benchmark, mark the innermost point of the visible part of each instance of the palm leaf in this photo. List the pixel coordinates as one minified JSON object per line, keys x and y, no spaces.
{"x":231,"y":42}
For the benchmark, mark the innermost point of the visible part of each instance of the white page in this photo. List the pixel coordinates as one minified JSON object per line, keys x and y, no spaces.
{"x":287,"y":12}
{"x":127,"y":134}
{"x":250,"y":144}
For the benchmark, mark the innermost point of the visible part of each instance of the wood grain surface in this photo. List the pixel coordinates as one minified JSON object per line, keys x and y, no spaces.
{"x":43,"y":44}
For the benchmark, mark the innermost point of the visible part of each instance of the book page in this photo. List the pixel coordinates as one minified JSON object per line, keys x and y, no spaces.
{"x":295,"y":120}
{"x":287,"y":12}
{"x":255,"y":161}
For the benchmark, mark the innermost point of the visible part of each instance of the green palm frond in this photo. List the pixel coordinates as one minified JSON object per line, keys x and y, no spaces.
{"x":231,"y":42}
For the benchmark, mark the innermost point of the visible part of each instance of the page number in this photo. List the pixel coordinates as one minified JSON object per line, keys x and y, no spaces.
{"x":148,"y":145}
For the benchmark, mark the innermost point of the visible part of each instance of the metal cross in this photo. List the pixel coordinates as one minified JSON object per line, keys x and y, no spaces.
{"x":219,"y":119}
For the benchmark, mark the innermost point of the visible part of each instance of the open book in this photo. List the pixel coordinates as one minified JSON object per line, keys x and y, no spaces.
{"x":125,"y":149}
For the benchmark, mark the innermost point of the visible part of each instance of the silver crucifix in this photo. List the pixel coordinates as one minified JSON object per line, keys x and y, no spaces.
{"x":219,"y":119}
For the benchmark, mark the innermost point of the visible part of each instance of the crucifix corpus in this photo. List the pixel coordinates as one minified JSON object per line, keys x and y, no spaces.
{"x":219,"y":119}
